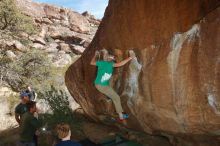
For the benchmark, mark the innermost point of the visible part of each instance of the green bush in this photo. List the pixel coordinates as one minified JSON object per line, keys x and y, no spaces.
{"x":32,"y":68}
{"x":49,"y":39}
{"x":26,"y":42}
{"x":12,"y":19}
{"x":61,"y":111}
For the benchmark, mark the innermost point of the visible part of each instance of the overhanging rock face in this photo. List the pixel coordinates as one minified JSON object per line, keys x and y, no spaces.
{"x":173,"y":84}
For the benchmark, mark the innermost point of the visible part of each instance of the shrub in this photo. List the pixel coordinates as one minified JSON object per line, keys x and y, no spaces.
{"x":12,"y":19}
{"x":49,"y":39}
{"x":33,"y":68}
{"x":61,"y":111}
{"x":25,"y":42}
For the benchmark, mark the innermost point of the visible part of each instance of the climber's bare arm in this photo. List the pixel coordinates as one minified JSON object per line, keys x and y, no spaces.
{"x":93,"y":61}
{"x":17,"y":118}
{"x":119,"y":64}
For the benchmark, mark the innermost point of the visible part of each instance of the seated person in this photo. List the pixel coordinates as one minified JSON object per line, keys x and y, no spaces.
{"x":64,"y":133}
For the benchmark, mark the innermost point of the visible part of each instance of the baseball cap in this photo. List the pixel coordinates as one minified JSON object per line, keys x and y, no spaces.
{"x":24,"y":94}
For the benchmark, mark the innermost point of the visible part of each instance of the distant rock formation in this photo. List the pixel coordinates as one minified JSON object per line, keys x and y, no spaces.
{"x":172,"y":87}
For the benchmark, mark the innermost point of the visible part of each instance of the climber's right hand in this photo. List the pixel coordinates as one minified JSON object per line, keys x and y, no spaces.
{"x":131,"y":54}
{"x":96,"y":53}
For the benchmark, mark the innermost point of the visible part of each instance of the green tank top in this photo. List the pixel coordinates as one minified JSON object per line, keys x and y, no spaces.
{"x":105,"y":70}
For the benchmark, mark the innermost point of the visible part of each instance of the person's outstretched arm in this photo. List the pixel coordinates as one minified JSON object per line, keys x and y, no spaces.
{"x":93,"y":61}
{"x":119,"y":64}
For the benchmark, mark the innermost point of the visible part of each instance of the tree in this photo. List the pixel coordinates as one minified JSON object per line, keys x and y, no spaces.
{"x":12,"y":19}
{"x":32,"y":68}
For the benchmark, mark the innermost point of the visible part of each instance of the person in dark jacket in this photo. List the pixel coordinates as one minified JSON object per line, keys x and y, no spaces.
{"x":29,"y":125}
{"x":21,"y":108}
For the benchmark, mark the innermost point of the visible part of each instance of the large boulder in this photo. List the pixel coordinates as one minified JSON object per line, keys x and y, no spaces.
{"x":172,"y":87}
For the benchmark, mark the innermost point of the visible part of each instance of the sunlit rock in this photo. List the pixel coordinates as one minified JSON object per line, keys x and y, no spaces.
{"x":172,"y":87}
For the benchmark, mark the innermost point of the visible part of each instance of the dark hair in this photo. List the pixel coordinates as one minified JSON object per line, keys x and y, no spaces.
{"x":23,"y":94}
{"x":30,"y":105}
{"x":104,"y":53}
{"x":100,"y":56}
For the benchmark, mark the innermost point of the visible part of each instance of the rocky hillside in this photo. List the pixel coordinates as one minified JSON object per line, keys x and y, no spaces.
{"x":172,"y":86}
{"x":62,"y":33}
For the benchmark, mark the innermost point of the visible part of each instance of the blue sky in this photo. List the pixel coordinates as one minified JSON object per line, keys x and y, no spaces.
{"x":94,"y":7}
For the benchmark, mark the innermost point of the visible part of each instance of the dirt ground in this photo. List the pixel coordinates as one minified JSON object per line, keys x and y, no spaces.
{"x":96,"y":132}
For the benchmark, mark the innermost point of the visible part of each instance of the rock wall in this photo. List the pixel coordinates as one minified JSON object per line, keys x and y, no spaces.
{"x":172,"y":86}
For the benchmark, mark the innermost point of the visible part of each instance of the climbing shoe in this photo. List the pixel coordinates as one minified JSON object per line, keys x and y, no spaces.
{"x":124,"y":117}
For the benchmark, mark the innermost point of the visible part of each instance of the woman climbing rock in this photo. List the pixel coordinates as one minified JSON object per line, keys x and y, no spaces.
{"x":106,"y":66}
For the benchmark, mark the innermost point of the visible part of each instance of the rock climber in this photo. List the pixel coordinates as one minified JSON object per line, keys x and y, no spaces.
{"x":106,"y":66}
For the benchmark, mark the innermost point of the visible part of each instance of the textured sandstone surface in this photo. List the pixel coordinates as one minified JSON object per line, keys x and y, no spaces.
{"x":172,"y":87}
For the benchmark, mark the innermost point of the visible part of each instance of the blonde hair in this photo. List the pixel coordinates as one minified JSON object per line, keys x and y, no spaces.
{"x":104,"y":55}
{"x":62,"y":130}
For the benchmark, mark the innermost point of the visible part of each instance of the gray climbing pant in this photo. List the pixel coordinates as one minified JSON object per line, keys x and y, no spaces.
{"x":109,"y":92}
